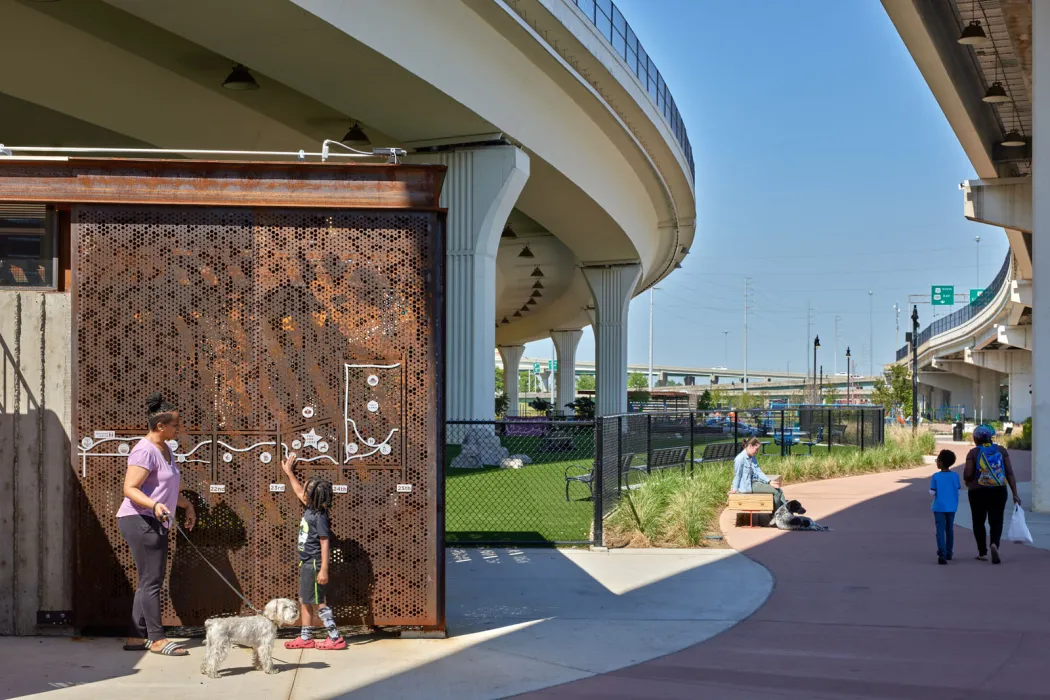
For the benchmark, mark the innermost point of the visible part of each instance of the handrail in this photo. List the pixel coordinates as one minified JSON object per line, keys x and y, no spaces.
{"x":610,"y":23}
{"x":947,"y":323}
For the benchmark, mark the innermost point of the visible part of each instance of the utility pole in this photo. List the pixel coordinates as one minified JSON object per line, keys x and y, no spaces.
{"x":915,"y":368}
{"x":747,"y":301}
{"x":871,"y":334}
{"x":897,"y":311}
{"x":836,"y":362}
{"x":809,"y":330}
{"x":727,"y":348}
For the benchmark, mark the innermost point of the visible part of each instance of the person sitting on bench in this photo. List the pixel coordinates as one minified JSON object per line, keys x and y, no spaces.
{"x":749,"y":478}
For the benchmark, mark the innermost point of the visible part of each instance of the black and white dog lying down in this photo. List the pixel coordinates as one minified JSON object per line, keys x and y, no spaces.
{"x":790,"y":517}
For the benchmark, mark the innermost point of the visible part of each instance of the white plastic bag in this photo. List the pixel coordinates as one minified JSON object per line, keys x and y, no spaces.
{"x":1018,"y":531}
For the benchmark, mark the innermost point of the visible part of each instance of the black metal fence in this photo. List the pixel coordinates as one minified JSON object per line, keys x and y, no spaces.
{"x":542,"y":481}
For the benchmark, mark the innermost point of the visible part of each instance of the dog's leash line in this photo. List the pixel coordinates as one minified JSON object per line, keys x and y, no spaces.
{"x":217,"y":572}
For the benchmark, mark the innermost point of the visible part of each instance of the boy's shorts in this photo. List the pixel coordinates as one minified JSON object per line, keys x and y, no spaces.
{"x":310,"y":591}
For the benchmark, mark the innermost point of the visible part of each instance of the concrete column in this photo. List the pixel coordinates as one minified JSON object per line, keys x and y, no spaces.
{"x":511,"y":356}
{"x":612,"y":288}
{"x":1040,"y":254}
{"x":481,"y":188}
{"x":565,"y":343}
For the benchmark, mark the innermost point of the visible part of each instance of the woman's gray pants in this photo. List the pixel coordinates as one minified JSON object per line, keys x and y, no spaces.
{"x":762,"y":487}
{"x":149,"y":546}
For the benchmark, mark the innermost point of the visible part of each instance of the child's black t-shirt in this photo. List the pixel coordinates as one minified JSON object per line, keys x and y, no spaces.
{"x":313,"y":526}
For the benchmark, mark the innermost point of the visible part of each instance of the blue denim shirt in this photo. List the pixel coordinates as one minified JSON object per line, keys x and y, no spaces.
{"x":746,"y":470}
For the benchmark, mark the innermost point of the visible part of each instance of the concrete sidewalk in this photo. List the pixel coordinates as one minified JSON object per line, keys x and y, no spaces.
{"x":864,"y":611}
{"x":519,"y":619}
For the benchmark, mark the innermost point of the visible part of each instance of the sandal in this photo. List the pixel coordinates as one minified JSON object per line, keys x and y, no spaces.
{"x":299,"y":643}
{"x":330,"y":644}
{"x":170,"y":649}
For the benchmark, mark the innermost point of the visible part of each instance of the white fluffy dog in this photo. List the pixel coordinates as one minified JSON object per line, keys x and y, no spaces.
{"x":257,"y":632}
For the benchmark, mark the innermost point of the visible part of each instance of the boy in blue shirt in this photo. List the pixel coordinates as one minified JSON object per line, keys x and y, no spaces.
{"x":944,"y":487}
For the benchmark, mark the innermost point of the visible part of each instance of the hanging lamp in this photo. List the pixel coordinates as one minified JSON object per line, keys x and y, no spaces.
{"x":240,"y":78}
{"x":355,"y":134}
{"x":537,"y":273}
{"x":526,"y":252}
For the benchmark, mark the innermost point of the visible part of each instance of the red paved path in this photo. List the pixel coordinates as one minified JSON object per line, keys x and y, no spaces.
{"x":864,"y":611}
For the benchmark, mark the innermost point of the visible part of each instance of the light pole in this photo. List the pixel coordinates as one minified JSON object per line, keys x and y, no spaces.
{"x":897,"y":311}
{"x":651,"y":290}
{"x":977,"y":239}
{"x":816,"y":344}
{"x":914,"y":367}
{"x":849,"y":377}
{"x":727,"y":348}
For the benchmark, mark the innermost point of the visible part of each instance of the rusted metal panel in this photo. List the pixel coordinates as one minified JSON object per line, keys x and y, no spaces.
{"x":222,"y":183}
{"x":274,"y":329}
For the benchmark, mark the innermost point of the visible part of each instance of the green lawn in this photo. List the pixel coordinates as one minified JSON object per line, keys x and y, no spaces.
{"x":524,"y":505}
{"x":528,"y":505}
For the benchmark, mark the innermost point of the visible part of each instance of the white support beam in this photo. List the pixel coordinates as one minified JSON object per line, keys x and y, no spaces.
{"x":1006,"y":202}
{"x":1015,"y":336}
{"x":1020,"y":299}
{"x":1041,"y":254}
{"x":612,"y":288}
{"x":565,"y":344}
{"x":511,"y":356}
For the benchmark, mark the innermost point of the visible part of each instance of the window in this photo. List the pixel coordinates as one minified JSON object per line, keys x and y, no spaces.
{"x":28,"y":249}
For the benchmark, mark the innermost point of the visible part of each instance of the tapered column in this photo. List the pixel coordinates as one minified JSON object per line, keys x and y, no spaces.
{"x":481,"y":188}
{"x":1040,"y":255}
{"x":565,"y":344}
{"x":511,"y":356}
{"x":612,"y":288}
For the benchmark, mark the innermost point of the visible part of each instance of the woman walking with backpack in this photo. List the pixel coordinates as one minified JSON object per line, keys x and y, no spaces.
{"x":988,"y":471}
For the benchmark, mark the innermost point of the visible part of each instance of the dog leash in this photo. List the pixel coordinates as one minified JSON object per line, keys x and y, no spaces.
{"x":217,"y":572}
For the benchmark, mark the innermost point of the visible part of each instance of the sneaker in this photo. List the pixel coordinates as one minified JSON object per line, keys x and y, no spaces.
{"x":942,"y":560}
{"x":995,"y":555}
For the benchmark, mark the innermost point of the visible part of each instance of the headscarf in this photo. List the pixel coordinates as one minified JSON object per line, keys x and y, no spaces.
{"x":983,"y":434}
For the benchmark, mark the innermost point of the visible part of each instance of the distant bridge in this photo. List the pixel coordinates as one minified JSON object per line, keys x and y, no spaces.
{"x":664,"y":372}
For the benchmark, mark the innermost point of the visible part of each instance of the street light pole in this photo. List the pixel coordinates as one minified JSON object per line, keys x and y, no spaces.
{"x":914,"y":367}
{"x":651,"y":289}
{"x":849,"y":378}
{"x":978,"y":240}
{"x":727,"y":348}
{"x":816,"y":344}
{"x":897,"y":311}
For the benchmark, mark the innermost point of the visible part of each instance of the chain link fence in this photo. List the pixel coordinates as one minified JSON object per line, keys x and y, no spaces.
{"x":548,"y":481}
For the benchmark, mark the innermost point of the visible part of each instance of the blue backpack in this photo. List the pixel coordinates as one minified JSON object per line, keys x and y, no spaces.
{"x":991,"y":471}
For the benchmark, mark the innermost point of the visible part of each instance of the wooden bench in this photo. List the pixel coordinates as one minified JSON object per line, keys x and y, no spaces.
{"x":752,"y":503}
{"x":663,"y":458}
{"x":717,"y":452}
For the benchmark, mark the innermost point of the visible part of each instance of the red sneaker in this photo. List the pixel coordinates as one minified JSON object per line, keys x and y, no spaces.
{"x":330,"y":644}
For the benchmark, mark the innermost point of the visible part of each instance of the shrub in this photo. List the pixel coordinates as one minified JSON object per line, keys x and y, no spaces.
{"x":1022,"y":441}
{"x":672,"y":509}
{"x":502,"y":404}
{"x":540,"y":404}
{"x":582,"y":407}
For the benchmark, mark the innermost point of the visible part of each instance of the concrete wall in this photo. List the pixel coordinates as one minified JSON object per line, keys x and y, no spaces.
{"x":36,"y":519}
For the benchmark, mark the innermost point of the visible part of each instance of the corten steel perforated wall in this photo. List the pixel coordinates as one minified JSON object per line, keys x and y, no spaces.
{"x":275,"y":329}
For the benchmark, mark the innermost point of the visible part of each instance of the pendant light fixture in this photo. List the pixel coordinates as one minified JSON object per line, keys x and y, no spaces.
{"x":537,"y":273}
{"x":355,"y":135}
{"x":973,"y":34}
{"x":517,"y":314}
{"x":536,"y":293}
{"x":508,"y":233}
{"x":505,"y":321}
{"x":531,"y":302}
{"x":525,"y":308}
{"x":537,"y":285}
{"x":526,"y":252}
{"x":996,"y":94}
{"x":1014,"y":138}
{"x":240,"y":78}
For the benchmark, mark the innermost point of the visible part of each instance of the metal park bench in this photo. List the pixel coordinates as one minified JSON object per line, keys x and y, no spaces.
{"x":587,"y":476}
{"x":663,"y":458}
{"x":717,"y":452}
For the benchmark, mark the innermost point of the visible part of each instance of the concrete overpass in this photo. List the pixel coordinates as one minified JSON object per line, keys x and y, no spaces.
{"x":988,"y":65}
{"x":665,"y":372}
{"x":570,"y":185}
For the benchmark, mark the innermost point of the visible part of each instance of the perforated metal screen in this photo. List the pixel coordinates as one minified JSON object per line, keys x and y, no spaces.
{"x":273,"y":330}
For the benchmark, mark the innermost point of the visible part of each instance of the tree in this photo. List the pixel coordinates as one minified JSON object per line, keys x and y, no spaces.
{"x":637,"y":380}
{"x":585,"y":382}
{"x":831,"y":394}
{"x":523,"y":382}
{"x":583,"y":407}
{"x":502,"y":403}
{"x":499,"y":380}
{"x":893,"y":389}
{"x":540,"y":404}
{"x":719,"y":398}
{"x":705,"y":402}
{"x":748,"y":401}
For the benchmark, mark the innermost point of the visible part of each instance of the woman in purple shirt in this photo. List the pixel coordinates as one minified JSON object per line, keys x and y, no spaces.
{"x":151,"y":493}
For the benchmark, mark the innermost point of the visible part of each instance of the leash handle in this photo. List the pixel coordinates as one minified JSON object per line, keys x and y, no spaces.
{"x":217,"y":572}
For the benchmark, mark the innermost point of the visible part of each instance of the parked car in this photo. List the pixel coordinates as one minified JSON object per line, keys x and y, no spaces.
{"x":742,"y":429}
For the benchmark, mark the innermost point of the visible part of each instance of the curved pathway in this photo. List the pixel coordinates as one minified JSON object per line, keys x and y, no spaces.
{"x":864,"y":611}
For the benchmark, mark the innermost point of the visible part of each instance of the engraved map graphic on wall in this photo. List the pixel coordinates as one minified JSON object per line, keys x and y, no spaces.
{"x":274,"y":331}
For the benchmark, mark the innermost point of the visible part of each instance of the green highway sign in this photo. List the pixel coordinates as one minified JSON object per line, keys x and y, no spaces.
{"x":552,"y":365}
{"x":943,"y":295}
{"x":536,"y":367}
{"x":974,"y":293}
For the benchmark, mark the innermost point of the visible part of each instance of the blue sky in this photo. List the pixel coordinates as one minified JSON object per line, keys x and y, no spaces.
{"x":824,"y":168}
